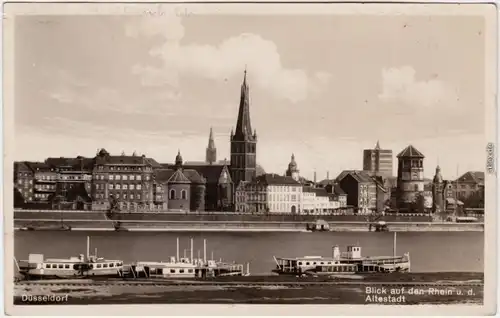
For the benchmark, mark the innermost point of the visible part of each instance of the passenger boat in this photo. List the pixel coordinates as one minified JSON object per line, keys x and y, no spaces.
{"x":350,"y":262}
{"x":36,"y":267}
{"x":184,"y":267}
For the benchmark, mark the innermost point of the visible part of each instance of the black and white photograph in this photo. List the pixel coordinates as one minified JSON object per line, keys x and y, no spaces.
{"x":238,"y":155}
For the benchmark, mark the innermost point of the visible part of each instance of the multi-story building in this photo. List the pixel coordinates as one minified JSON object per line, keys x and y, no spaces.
{"x":410,"y":182}
{"x":23,"y":181}
{"x":364,"y":192}
{"x":284,"y":193}
{"x":128,"y":179}
{"x":251,"y":197}
{"x":378,"y":162}
{"x":319,"y":201}
{"x":470,"y":183}
{"x":243,"y":141}
{"x":438,"y":192}
{"x":45,"y":179}
{"x":73,"y":182}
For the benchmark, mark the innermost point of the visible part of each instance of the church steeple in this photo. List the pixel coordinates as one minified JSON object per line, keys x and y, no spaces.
{"x":377,"y":146}
{"x":243,"y":140}
{"x":243,"y":125}
{"x":178,"y":160}
{"x":211,"y":154}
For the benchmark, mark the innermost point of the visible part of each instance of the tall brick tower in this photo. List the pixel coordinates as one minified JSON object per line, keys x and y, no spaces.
{"x":438,"y":192}
{"x":410,"y":181}
{"x":211,"y":154}
{"x":243,"y":141}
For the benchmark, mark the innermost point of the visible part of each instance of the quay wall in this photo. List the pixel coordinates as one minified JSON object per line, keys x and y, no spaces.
{"x":144,"y":225}
{"x":208,"y":216}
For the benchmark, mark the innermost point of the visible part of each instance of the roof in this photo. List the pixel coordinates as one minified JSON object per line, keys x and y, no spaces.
{"x":210,"y":172}
{"x":358,"y":175}
{"x":178,"y":177}
{"x":472,"y":176}
{"x":39,"y":166}
{"x":338,"y":190}
{"x":103,"y":157}
{"x":162,"y":175}
{"x":321,"y":192}
{"x":275,"y":179}
{"x":21,"y":166}
{"x":78,"y":163}
{"x":410,"y":152}
{"x":193,"y":176}
{"x":327,"y":182}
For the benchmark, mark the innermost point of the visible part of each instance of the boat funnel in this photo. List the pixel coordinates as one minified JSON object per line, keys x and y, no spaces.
{"x":88,"y":247}
{"x":336,"y":252}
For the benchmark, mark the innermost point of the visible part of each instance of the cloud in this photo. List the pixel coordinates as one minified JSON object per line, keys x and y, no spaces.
{"x":222,"y":61}
{"x":400,"y":85}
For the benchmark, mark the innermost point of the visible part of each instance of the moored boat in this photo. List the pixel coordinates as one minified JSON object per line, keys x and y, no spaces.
{"x":349,"y":262}
{"x":37,"y":267}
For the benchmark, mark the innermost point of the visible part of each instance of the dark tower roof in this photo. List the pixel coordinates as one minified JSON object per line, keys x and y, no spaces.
{"x":292,"y":166}
{"x":410,"y":152}
{"x":437,"y":177}
{"x":178,"y":159}
{"x":243,"y":126}
{"x":211,"y":142}
{"x":377,"y":146}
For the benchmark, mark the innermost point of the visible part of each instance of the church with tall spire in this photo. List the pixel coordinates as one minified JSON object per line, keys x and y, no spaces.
{"x":211,"y":153}
{"x":243,"y":140}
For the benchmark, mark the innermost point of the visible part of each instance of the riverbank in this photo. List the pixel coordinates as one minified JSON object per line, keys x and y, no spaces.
{"x":409,"y":289}
{"x":233,"y":226}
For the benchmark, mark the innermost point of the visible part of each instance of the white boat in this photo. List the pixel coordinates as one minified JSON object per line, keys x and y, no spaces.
{"x":37,"y":267}
{"x":349,"y":262}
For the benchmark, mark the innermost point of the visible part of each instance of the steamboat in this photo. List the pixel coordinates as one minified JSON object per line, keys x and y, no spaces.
{"x":185,"y":267}
{"x":349,"y":262}
{"x":37,"y":267}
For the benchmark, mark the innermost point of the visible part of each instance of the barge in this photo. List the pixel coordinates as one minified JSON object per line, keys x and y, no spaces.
{"x":89,"y":266}
{"x":349,"y":262}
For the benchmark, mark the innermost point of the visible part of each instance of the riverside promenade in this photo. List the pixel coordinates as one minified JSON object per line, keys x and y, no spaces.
{"x":227,"y":221}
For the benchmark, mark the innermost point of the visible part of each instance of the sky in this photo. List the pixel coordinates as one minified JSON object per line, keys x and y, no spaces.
{"x":322,"y":87}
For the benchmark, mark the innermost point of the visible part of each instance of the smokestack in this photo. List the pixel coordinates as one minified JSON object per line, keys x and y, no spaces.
{"x":314,"y":177}
{"x":177,"y":250}
{"x":394,"y":246}
{"x":191,"y":250}
{"x":328,"y":175}
{"x":204,"y":250}
{"x":95,"y":252}
{"x":88,"y":247}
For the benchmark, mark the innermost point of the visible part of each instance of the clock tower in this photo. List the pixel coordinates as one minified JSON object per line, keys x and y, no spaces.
{"x":410,"y":180}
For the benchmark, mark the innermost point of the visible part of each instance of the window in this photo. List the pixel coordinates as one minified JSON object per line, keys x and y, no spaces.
{"x":105,"y":265}
{"x":138,"y":197}
{"x":181,"y":271}
{"x":147,"y":177}
{"x":47,"y":265}
{"x":125,"y":196}
{"x":307,"y":263}
{"x":117,"y":195}
{"x":139,"y":187}
{"x":172,"y":271}
{"x":118,"y":186}
{"x":183,"y":194}
{"x":139,"y":177}
{"x":111,"y":186}
{"x":131,"y":197}
{"x":132,"y":177}
{"x":111,"y":177}
{"x":125,"y":187}
{"x":112,"y":265}
{"x":118,"y":177}
{"x":98,"y":265}
{"x":190,"y":270}
{"x":66,"y":266}
{"x":131,"y":187}
{"x":125,"y":177}
{"x":171,"y":194}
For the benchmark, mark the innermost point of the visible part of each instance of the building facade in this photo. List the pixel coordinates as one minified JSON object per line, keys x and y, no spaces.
{"x":24,"y":181}
{"x":243,"y":141}
{"x":378,"y":162}
{"x":318,"y":201}
{"x":128,"y":179}
{"x":251,"y":197}
{"x":364,"y":192}
{"x":45,"y":181}
{"x":284,"y":194}
{"x":410,"y":182}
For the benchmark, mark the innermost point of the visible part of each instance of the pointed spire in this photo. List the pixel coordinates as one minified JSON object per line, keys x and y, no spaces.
{"x":438,"y":178}
{"x":211,"y":153}
{"x":178,"y":159}
{"x":243,"y":126}
{"x":377,"y":146}
{"x":211,"y":142}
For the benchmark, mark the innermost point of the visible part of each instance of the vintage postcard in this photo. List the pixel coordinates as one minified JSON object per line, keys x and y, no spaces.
{"x":236,"y":159}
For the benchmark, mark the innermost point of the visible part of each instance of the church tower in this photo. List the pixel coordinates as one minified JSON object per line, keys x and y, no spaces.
{"x":243,"y":141}
{"x":437,"y":192}
{"x":211,"y":154}
{"x":293,"y":170}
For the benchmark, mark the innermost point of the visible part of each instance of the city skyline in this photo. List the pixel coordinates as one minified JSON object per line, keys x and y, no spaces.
{"x":156,"y":104}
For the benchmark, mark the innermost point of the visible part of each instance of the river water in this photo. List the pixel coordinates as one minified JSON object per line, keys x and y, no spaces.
{"x":429,"y":251}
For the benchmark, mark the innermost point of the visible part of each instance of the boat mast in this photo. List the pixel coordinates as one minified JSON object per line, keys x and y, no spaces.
{"x":177,"y":259}
{"x":204,"y":250}
{"x":88,"y":248}
{"x":394,"y":248}
{"x":456,"y":194}
{"x":191,"y":251}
